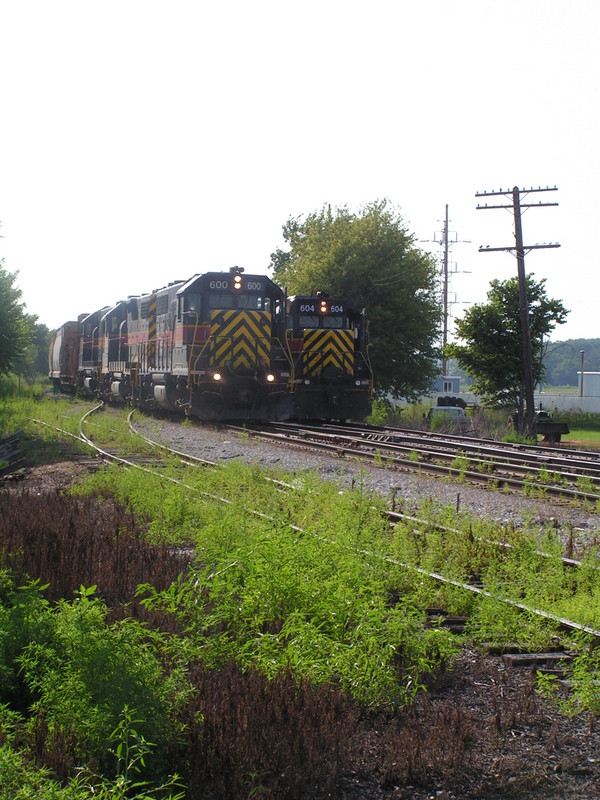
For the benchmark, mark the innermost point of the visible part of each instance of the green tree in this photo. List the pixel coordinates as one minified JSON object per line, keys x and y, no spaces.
{"x":15,"y":324}
{"x":34,"y":360}
{"x":370,"y":258}
{"x":493,"y":350}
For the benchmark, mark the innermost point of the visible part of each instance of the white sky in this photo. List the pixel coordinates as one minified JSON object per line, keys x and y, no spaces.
{"x":144,"y":141}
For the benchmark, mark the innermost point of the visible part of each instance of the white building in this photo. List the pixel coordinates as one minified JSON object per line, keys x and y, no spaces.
{"x":587,"y":398}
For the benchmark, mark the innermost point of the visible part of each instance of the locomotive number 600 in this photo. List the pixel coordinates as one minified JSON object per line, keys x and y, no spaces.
{"x":219,"y":285}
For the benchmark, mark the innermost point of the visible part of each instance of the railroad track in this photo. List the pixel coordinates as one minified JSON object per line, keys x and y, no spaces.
{"x":556,"y":663}
{"x":11,"y":456}
{"x":548,"y":471}
{"x":474,"y":587}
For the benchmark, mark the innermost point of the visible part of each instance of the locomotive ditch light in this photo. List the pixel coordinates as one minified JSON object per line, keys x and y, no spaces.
{"x":217,"y":376}
{"x":270,"y":377}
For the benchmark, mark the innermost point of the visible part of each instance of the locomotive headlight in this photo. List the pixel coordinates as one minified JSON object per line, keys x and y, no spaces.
{"x":323,"y":306}
{"x":217,"y":376}
{"x":237,"y":282}
{"x":270,"y":377}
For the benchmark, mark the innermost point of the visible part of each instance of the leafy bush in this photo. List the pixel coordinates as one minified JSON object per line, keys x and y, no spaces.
{"x":75,"y":674}
{"x":12,"y":385}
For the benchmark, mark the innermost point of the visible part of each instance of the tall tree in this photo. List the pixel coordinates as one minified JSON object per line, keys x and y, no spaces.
{"x":34,"y":360}
{"x":15,"y":323}
{"x":371,"y":258}
{"x":493,"y":353}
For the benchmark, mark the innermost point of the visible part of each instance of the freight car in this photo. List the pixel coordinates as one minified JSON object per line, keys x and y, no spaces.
{"x":328,"y":342}
{"x":74,"y":359}
{"x":212,"y":347}
{"x":63,"y":356}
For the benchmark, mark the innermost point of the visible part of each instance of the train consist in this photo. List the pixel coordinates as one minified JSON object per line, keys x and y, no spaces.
{"x":221,"y":346}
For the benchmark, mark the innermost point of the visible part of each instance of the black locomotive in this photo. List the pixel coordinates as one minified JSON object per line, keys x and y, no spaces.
{"x":327,"y":338}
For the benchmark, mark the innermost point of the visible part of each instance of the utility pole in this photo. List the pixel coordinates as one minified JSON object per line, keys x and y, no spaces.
{"x":445,"y":293}
{"x":526,"y":420}
{"x":446,"y":243}
{"x":446,"y":247}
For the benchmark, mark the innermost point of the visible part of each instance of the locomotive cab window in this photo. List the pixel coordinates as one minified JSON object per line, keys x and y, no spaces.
{"x":308,"y":321}
{"x":334,"y":322}
{"x":220,"y":301}
{"x":193,"y":302}
{"x":254,"y":302}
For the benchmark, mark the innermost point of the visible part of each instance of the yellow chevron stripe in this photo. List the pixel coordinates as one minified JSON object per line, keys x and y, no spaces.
{"x":240,"y":337}
{"x":225,"y":323}
{"x":327,"y":348}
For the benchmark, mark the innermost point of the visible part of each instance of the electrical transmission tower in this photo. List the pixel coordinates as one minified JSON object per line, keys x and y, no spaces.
{"x":445,"y":243}
{"x":526,"y":420}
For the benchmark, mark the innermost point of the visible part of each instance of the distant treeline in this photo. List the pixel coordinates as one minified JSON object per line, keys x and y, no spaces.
{"x":562,"y":362}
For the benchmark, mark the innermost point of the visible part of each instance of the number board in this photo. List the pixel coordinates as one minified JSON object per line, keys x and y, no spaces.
{"x":225,"y":284}
{"x":308,"y":307}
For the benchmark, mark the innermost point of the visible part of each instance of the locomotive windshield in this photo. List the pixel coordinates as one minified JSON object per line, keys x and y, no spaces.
{"x":220,"y":301}
{"x":196,"y":302}
{"x":306,"y":321}
{"x":316,"y":321}
{"x":254,"y":302}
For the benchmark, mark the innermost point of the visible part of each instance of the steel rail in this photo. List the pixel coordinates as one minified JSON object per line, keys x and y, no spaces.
{"x":552,"y":458}
{"x":562,"y":622}
{"x":391,"y":515}
{"x":356,"y":447}
{"x":426,"y":443}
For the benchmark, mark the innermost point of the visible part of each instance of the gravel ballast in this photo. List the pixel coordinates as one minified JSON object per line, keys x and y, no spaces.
{"x":410,"y":490}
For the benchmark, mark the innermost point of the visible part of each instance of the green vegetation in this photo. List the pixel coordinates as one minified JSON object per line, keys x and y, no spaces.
{"x":136,"y":635}
{"x":371,"y":258}
{"x":488,"y":422}
{"x":562,"y":361}
{"x":492,"y":352}
{"x":23,"y":342}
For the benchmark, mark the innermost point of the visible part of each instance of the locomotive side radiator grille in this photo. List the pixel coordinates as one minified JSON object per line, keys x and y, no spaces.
{"x":241,"y":339}
{"x":328,"y":350}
